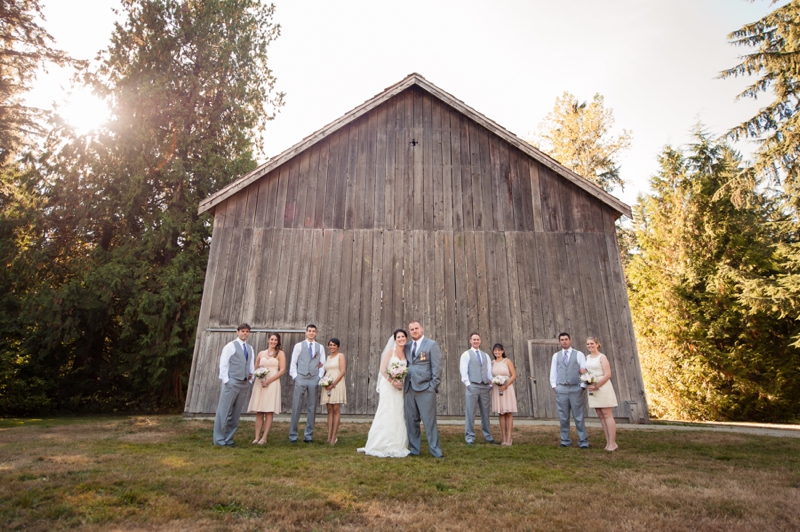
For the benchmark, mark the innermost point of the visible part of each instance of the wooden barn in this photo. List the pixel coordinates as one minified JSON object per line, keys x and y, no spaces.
{"x":415,"y":206}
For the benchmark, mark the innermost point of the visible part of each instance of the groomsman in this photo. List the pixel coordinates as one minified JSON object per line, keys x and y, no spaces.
{"x":306,"y":370}
{"x":236,"y":373}
{"x":476,"y":374}
{"x":565,"y":378}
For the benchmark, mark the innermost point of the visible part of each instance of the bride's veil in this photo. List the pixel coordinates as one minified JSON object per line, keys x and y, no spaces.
{"x":385,"y":354}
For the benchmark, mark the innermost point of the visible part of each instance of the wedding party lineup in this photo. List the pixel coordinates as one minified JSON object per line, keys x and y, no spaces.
{"x":407,"y":383}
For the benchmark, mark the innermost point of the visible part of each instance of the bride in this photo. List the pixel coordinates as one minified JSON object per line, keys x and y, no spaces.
{"x":387,"y":436}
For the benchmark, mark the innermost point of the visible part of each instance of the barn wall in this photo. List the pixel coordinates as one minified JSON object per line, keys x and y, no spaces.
{"x":416,"y":212}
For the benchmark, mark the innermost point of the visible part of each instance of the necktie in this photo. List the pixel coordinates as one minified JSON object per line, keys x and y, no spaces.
{"x":244,"y":346}
{"x":413,"y":351}
{"x":480,"y":359}
{"x":310,"y":350}
{"x":566,"y":357}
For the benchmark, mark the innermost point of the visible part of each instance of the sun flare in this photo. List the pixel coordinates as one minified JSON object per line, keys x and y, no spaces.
{"x":84,"y":111}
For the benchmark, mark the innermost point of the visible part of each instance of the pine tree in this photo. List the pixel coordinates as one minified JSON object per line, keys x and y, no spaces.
{"x":577,"y":134}
{"x":706,"y":352}
{"x":124,"y":260}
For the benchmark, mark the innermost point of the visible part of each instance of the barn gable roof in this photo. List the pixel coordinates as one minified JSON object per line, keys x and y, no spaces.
{"x":414,"y":79}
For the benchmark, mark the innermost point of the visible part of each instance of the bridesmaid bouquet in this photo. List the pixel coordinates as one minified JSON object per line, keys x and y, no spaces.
{"x":589,"y":378}
{"x":326,"y":381}
{"x":499,"y":380}
{"x":397,"y":371}
{"x":261,"y":373}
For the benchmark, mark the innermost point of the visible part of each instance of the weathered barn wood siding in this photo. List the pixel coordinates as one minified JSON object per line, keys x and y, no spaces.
{"x":414,"y":211}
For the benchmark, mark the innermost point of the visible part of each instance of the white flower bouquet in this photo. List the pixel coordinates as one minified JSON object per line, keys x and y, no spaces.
{"x":589,"y":378}
{"x":326,"y":381}
{"x":499,"y":380}
{"x":397,"y":371}
{"x":261,"y":373}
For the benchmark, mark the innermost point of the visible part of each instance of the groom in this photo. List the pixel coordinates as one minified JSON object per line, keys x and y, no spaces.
{"x":420,"y":388}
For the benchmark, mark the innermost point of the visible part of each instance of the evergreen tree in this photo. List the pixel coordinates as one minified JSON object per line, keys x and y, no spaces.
{"x":706,"y":352}
{"x":122,"y":262}
{"x":577,"y":134}
{"x":776,"y":64}
{"x":25,"y":48}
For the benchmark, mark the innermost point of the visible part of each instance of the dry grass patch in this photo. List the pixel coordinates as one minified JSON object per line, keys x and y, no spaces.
{"x":162,"y":473}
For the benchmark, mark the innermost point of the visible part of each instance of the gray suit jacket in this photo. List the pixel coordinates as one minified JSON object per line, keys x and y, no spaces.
{"x":425,"y":373}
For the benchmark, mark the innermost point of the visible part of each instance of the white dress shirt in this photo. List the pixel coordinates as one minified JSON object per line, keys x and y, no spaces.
{"x":225,"y":359}
{"x":464,"y":365}
{"x":302,"y":347}
{"x":554,"y":366}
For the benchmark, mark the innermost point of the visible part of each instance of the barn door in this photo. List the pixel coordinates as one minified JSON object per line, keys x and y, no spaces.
{"x":540,"y":355}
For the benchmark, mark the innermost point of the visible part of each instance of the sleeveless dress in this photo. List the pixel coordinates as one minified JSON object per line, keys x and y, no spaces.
{"x":387,"y":435}
{"x":339,"y":394}
{"x":506,"y":403}
{"x":605,"y":396}
{"x":266,"y":399}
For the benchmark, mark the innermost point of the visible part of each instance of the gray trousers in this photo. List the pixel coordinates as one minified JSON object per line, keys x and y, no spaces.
{"x":232,"y":399}
{"x":478,"y":395}
{"x":570,"y":397}
{"x":307,"y":385}
{"x":422,"y":406}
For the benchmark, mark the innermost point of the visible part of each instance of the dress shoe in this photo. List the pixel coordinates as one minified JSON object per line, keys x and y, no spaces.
{"x":564,"y":445}
{"x":470,"y":443}
{"x":293,"y":442}
{"x":494,"y":442}
{"x":308,"y":441}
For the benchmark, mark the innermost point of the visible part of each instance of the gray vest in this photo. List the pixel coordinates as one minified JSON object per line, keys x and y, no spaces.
{"x":475,"y":371}
{"x":307,"y":366}
{"x":237,"y":365}
{"x":569,"y":373}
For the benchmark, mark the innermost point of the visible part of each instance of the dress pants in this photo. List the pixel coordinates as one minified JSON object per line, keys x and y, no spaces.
{"x":422,"y":406}
{"x":478,"y":395}
{"x":232,"y":399}
{"x":569,"y":397}
{"x":307,"y":385}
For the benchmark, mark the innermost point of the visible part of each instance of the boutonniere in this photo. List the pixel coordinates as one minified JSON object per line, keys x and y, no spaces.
{"x":423,"y":356}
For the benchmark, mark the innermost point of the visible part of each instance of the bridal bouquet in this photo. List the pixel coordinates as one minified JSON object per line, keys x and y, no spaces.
{"x":397,"y":371}
{"x":261,"y":373}
{"x":589,"y":378}
{"x":499,"y":380}
{"x":326,"y":381}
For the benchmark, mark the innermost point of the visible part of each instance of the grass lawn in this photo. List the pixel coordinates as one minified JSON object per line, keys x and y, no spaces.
{"x":163,"y":473}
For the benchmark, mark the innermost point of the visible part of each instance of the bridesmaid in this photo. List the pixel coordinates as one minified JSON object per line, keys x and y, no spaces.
{"x":505,"y":405}
{"x":601,"y":393}
{"x":334,"y":396}
{"x":265,"y":400}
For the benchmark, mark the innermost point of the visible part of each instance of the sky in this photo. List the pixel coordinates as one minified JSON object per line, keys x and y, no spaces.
{"x":655,"y":62}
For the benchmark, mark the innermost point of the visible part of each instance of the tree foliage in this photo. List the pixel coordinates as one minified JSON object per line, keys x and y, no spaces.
{"x":121,"y":252}
{"x":776,"y":63}
{"x":706,"y":352}
{"x":578,"y":135}
{"x":25,"y":48}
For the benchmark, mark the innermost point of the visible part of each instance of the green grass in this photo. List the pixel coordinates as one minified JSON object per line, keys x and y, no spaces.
{"x":163,"y":473}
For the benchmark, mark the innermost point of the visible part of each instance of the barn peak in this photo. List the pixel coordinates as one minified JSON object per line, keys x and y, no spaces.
{"x":414,"y":80}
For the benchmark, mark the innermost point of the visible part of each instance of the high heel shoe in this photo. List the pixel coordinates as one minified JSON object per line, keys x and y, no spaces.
{"x":262,"y":442}
{"x":334,"y":441}
{"x":255,"y":441}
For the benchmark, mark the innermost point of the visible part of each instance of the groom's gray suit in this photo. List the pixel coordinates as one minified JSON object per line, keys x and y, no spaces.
{"x":420,"y":388}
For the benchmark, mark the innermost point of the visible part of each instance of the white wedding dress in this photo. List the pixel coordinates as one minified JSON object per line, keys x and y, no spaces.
{"x":387,"y":436}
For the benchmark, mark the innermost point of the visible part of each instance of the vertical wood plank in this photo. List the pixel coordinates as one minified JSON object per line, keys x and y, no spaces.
{"x":417,"y":219}
{"x":536,"y":197}
{"x":428,"y":185}
{"x":304,"y":178}
{"x":436,"y":168}
{"x":390,"y":185}
{"x":379,"y":169}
